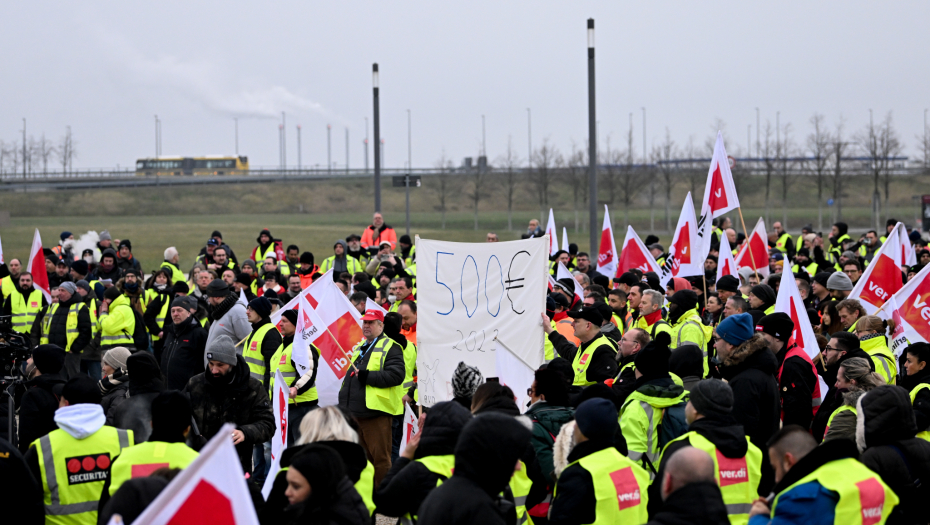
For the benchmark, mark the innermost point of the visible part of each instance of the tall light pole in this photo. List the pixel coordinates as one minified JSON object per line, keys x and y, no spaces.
{"x":409,"y":147}
{"x":377,"y":118}
{"x":758,"y":144}
{"x":280,"y":146}
{"x":236,"y":120}
{"x":365,"y":143}
{"x":529,"y":139}
{"x":347,"y":150}
{"x":592,"y":144}
{"x":299,"y":148}
{"x":749,"y":140}
{"x":329,"y":149}
{"x":24,"y":147}
{"x":644,"y":137}
{"x":283,"y":140}
{"x":157,"y":148}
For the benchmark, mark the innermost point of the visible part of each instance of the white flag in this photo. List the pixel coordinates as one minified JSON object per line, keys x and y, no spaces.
{"x":411,"y":427}
{"x":309,"y":328}
{"x":242,"y":299}
{"x":634,"y":254}
{"x":789,"y":302}
{"x":719,"y":194}
{"x":371,"y":305}
{"x":212,"y":489}
{"x":755,"y":252}
{"x":684,"y":255}
{"x":607,"y":258}
{"x":550,"y":231}
{"x":564,"y":240}
{"x":563,"y":273}
{"x":725,"y":263}
{"x":882,"y":277}
{"x":279,"y":399}
{"x":909,"y":256}
{"x":515,"y":373}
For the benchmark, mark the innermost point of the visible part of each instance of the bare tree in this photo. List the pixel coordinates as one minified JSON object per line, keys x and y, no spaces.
{"x":818,"y":145}
{"x":924,"y":141}
{"x":444,"y":185}
{"x":509,"y":178}
{"x":66,"y":152}
{"x":577,"y":178}
{"x":631,"y":181}
{"x":546,"y":159}
{"x":694,"y":173}
{"x":479,"y":177}
{"x":44,"y":151}
{"x":662,"y":154}
{"x":610,"y":175}
{"x":838,"y":148}
{"x":770,"y":160}
{"x":891,"y":147}
{"x":881,"y":145}
{"x":783,"y":150}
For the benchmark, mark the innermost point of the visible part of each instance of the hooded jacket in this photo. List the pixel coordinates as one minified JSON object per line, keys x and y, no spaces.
{"x":796,"y":386}
{"x":119,"y":319}
{"x":233,"y":398}
{"x":885,"y":433}
{"x":19,"y":489}
{"x":37,"y":408}
{"x":750,"y":370}
{"x":145,"y":383}
{"x":833,"y":399}
{"x":547,"y":422}
{"x":699,"y":503}
{"x":724,"y":432}
{"x":408,"y":483}
{"x":182,"y":354}
{"x":229,"y":319}
{"x":485,"y":455}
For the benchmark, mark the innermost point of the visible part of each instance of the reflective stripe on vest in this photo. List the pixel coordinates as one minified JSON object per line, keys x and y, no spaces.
{"x":884,"y":360}
{"x":71,"y":325}
{"x":583,"y":359}
{"x":252,"y":351}
{"x":141,"y":460}
{"x":72,"y":486}
{"x":520,"y":486}
{"x":738,"y":478}
{"x":389,"y":400}
{"x":281,"y":360}
{"x":620,"y":487}
{"x":24,"y":310}
{"x":410,"y":364}
{"x":863,"y":496}
{"x":160,"y":318}
{"x":923,"y":433}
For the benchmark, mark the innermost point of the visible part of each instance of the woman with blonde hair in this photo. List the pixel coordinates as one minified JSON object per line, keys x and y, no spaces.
{"x":870,"y":330}
{"x":854,"y":378}
{"x":332,"y":428}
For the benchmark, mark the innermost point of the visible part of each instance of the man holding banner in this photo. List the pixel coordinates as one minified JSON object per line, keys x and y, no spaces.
{"x":372,"y":390}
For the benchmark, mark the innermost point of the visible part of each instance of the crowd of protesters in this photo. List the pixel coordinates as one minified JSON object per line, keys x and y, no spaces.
{"x":689,"y":403}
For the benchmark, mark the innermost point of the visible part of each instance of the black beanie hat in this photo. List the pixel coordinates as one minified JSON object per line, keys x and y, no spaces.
{"x":244,"y":278}
{"x":323,"y":468}
{"x":778,"y":325}
{"x":290,"y":315}
{"x":49,"y":359}
{"x":112,"y":293}
{"x":551,"y":383}
{"x":171,"y":415}
{"x":563,"y":367}
{"x":764,"y":292}
{"x":306,"y":258}
{"x":821,"y":278}
{"x":712,"y":397}
{"x":261,"y":306}
{"x":80,"y":267}
{"x":81,"y":389}
{"x":597,"y":419}
{"x":728,"y":283}
{"x":652,"y":361}
{"x":405,"y":239}
{"x":180,"y":287}
{"x":685,"y":299}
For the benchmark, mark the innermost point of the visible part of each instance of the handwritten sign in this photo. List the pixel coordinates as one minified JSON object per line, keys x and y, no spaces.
{"x":470,"y":294}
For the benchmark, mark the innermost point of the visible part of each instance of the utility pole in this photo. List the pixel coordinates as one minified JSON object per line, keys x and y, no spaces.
{"x":283,"y":140}
{"x":299,"y":148}
{"x":280,"y":150}
{"x":347,"y":150}
{"x":377,"y":118}
{"x":409,"y":147}
{"x":484,"y":151}
{"x":236,"y":120}
{"x":529,"y":139}
{"x":365,"y":142}
{"x":24,"y":150}
{"x":329,"y":149}
{"x":156,"y":135}
{"x":592,"y":145}
{"x":758,"y":144}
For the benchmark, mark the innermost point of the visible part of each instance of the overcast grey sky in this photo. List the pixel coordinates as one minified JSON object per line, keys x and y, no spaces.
{"x":106,"y":68}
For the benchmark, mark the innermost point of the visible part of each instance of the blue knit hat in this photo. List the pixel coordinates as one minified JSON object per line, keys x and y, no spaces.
{"x":736,"y":328}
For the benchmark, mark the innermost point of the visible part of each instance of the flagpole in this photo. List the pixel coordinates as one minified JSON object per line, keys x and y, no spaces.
{"x":749,"y":244}
{"x":341,"y":350}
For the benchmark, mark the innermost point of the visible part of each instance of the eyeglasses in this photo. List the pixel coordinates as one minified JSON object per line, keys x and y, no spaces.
{"x":529,"y":391}
{"x":829,"y":348}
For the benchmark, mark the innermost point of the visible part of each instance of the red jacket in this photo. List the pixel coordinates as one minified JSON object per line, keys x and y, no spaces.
{"x":372,"y":237}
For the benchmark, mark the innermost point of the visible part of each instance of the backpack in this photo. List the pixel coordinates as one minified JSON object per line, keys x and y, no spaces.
{"x":140,"y":338}
{"x":673,"y":424}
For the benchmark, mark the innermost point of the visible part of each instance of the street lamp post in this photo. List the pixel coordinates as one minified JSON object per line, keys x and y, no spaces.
{"x":377,"y":119}
{"x":284,"y":140}
{"x":529,"y":139}
{"x":299,"y":148}
{"x":592,"y":145}
{"x":236,"y":120}
{"x":758,"y":144}
{"x":347,"y":150}
{"x":329,"y":149}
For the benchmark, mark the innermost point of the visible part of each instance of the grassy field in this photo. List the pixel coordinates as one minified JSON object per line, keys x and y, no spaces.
{"x":314,"y":214}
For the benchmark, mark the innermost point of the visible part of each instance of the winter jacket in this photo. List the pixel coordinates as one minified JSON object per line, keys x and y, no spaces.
{"x":724,"y":432}
{"x":37,"y":408}
{"x":234,"y":398}
{"x":832,"y":399}
{"x":699,"y":503}
{"x":119,"y":319}
{"x":153,"y":310}
{"x":347,"y":508}
{"x":132,"y":498}
{"x":603,"y":362}
{"x":182,"y":354}
{"x":886,"y":434}
{"x":689,"y":329}
{"x":612,"y":332}
{"x":796,"y":385}
{"x":372,"y":237}
{"x":58,"y":331}
{"x":145,"y":383}
{"x":229,"y":319}
{"x":409,"y":482}
{"x":843,"y":425}
{"x":270,"y":345}
{"x":130,"y":263}
{"x":547,"y":422}
{"x":342,"y":263}
{"x":485,"y":455}
{"x":750,"y":370}
{"x":19,"y":489}
{"x":352,"y":393}
{"x":643,"y":412}
{"x":115,"y":396}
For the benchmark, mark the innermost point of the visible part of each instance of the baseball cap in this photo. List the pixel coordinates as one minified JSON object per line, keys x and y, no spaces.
{"x":588,"y":313}
{"x":373,"y":315}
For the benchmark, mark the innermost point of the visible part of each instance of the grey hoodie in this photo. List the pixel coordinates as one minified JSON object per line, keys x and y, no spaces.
{"x":339,"y":262}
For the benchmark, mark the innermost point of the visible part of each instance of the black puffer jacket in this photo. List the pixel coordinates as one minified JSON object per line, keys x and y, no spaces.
{"x":485,"y":455}
{"x":724,"y":432}
{"x":37,"y":408}
{"x":750,"y":370}
{"x":885,"y":432}
{"x":115,"y":395}
{"x":234,"y":398}
{"x":182,"y":354}
{"x":145,"y":383}
{"x":20,"y":492}
{"x":795,"y":386}
{"x":408,"y":482}
{"x":698,"y":503}
{"x":922,"y":400}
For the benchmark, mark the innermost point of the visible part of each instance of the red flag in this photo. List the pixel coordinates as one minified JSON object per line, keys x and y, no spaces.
{"x":882,"y":278}
{"x":912,"y":305}
{"x":725,"y":263}
{"x":682,"y":261}
{"x":755,"y":253}
{"x":607,"y":258}
{"x":36,"y":267}
{"x":635,"y":255}
{"x":719,"y":194}
{"x":212,"y":489}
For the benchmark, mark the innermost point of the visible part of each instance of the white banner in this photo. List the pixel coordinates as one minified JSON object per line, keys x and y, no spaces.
{"x":468,"y":295}
{"x":411,"y":427}
{"x":279,"y":398}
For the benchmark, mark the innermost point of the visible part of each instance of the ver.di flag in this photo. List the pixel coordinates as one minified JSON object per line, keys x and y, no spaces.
{"x":37,"y":267}
{"x":755,"y":253}
{"x":908,"y":255}
{"x":607,"y":257}
{"x":411,"y":427}
{"x":563,"y":273}
{"x":684,"y":259}
{"x":550,"y":231}
{"x":212,"y":489}
{"x":279,"y":397}
{"x":882,"y":278}
{"x":725,"y":263}
{"x":332,"y":363}
{"x":635,"y":255}
{"x":789,"y":302}
{"x":910,"y":309}
{"x":719,"y":194}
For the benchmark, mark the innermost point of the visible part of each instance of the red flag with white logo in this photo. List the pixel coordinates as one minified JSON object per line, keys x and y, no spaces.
{"x":684,"y":259}
{"x":755,"y":253}
{"x":789,"y":302}
{"x":635,"y":255}
{"x":411,"y":427}
{"x":911,"y":307}
{"x":607,"y":258}
{"x":550,"y":231}
{"x":719,"y":193}
{"x":36,"y":267}
{"x":882,"y":278}
{"x":279,"y":397}
{"x":725,"y":263}
{"x":212,"y":489}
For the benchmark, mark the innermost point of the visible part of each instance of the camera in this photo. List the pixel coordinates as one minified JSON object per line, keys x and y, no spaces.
{"x":14,"y":348}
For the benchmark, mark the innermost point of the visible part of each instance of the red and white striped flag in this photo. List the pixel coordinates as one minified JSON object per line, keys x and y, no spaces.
{"x":719,"y":194}
{"x":635,"y":255}
{"x":36,"y":267}
{"x":755,"y":253}
{"x":684,"y":255}
{"x":212,"y":489}
{"x":725,"y":263}
{"x":550,"y":231}
{"x":607,"y":259}
{"x":882,"y":278}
